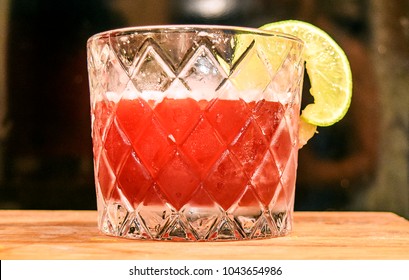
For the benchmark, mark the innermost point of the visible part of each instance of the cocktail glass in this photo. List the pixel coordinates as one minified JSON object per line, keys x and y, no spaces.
{"x":195,"y":131}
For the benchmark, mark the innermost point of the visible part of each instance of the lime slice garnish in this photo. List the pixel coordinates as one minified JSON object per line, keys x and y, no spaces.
{"x":327,"y":68}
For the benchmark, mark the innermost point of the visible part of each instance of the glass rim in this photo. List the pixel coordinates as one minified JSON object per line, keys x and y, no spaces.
{"x":180,"y":28}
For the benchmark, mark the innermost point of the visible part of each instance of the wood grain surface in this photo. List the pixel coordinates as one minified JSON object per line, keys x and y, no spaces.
{"x":29,"y":234}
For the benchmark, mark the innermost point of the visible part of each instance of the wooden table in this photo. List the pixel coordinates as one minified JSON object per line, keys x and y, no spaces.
{"x":316,"y":235}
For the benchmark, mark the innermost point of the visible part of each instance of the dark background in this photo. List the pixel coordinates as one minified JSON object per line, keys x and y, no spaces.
{"x":360,"y":163}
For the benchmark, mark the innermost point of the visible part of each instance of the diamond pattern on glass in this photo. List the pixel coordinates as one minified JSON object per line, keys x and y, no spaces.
{"x":152,"y":73}
{"x":202,"y":73}
{"x":179,"y":118}
{"x":134,"y":179}
{"x":153,"y":146}
{"x":117,"y":79}
{"x":282,"y":144}
{"x":97,"y":61}
{"x":266,"y":178}
{"x":134,"y":229}
{"x":268,"y":116}
{"x":228,"y":117}
{"x":177,"y":181}
{"x":177,"y":231}
{"x":281,"y":222}
{"x":155,"y":214}
{"x":283,"y":80}
{"x":203,"y":153}
{"x":117,"y":215}
{"x":246,"y":212}
{"x":141,"y":117}
{"x":105,"y":177}
{"x":226,"y":230}
{"x":249,"y":147}
{"x":103,"y":113}
{"x":226,"y":180}
{"x":202,"y":214}
{"x":117,"y":146}
{"x":280,"y":206}
{"x":185,"y":146}
{"x":247,"y":64}
{"x":100,"y":53}
{"x":262,"y":228}
{"x":126,"y":49}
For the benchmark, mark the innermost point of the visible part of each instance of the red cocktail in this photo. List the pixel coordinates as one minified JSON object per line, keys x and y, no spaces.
{"x":189,"y":152}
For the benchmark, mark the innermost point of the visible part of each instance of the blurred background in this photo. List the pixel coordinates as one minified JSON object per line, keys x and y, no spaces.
{"x":361,"y":163}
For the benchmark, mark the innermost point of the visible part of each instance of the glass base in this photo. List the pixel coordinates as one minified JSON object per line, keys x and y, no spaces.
{"x":193,"y":223}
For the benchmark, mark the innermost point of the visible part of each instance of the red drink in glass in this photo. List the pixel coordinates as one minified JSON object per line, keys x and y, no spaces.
{"x":190,"y":154}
